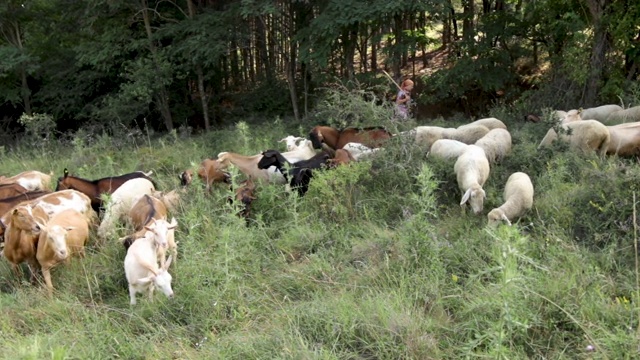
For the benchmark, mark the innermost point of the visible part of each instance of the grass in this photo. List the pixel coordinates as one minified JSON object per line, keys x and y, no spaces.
{"x":377,"y":261}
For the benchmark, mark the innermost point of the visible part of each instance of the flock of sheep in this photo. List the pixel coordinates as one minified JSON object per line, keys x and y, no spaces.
{"x":44,"y":228}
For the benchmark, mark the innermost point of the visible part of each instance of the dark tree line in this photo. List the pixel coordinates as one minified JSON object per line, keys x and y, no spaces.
{"x":176,"y":62}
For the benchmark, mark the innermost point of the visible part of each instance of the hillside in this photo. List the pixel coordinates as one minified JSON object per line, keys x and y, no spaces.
{"x":377,"y":261}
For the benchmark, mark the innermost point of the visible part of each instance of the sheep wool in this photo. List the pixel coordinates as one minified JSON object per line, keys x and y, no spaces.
{"x":518,"y":198}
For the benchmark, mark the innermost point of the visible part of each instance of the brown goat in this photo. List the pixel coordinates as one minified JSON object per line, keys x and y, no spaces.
{"x":245,"y":194}
{"x":210,"y":172}
{"x":342,"y":157}
{"x":11,"y":190}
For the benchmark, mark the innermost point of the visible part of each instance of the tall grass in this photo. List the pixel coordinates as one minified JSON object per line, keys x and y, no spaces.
{"x":377,"y":261}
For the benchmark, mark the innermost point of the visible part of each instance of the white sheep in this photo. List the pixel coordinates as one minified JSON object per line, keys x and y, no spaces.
{"x":121,"y":202}
{"x":358,"y":150}
{"x":490,"y":123}
{"x":426,"y":135}
{"x":142,"y":271}
{"x":572,"y":116}
{"x":468,"y":133}
{"x":624,"y":116}
{"x":625,"y":139}
{"x":600,"y":113}
{"x":496,"y":144}
{"x":472,"y":170}
{"x":518,"y":198}
{"x":447,"y":149}
{"x":586,"y":135}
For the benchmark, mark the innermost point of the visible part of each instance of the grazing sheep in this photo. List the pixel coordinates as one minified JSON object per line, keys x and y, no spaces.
{"x":210,"y":172}
{"x":624,"y":116}
{"x":600,"y":113}
{"x":447,"y":149}
{"x":572,"y":116}
{"x":496,"y":144}
{"x":468,"y":134}
{"x":490,"y":123}
{"x":518,"y":198}
{"x":63,"y":236}
{"x":586,"y":135}
{"x":425,"y":136}
{"x":625,"y":139}
{"x":472,"y":170}
{"x":142,"y":271}
{"x":121,"y":202}
{"x":30,"y":180}
{"x":248,"y":165}
{"x":359,"y":151}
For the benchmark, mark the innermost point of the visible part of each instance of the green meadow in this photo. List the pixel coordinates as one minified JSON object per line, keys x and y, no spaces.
{"x":376,"y":261}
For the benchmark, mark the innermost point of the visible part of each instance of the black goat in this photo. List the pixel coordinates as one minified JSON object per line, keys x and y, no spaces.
{"x":300,"y":172}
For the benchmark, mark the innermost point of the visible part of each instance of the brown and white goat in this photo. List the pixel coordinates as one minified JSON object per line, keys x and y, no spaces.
{"x":63,"y":236}
{"x":31,"y":180}
{"x":210,"y":172}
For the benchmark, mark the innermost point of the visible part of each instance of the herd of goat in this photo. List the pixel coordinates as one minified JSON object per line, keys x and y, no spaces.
{"x":45,"y":228}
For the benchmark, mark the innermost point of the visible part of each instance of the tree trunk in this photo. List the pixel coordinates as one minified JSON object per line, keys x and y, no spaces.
{"x":601,"y":45}
{"x":201,"y":89}
{"x":162,"y":96}
{"x":467,"y":21}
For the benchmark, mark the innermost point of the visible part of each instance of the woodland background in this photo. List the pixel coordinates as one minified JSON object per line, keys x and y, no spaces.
{"x":198,"y":63}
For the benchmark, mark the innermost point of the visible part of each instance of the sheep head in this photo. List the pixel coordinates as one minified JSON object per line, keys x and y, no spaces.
{"x":475,"y":195}
{"x":496,"y":216}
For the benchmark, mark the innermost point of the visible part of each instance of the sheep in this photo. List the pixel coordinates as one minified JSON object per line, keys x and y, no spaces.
{"x":425,"y":136}
{"x":472,"y":170}
{"x":120,"y":203}
{"x":518,"y":198}
{"x":496,"y":144}
{"x":625,"y":139}
{"x":210,"y":172}
{"x":623,"y":116}
{"x":359,"y":151}
{"x":600,"y":113}
{"x":586,"y":135}
{"x":142,"y":271}
{"x":248,"y":165}
{"x":30,"y":180}
{"x":447,"y":149}
{"x":63,"y":236}
{"x":468,"y":134}
{"x":490,"y":123}
{"x":572,"y":116}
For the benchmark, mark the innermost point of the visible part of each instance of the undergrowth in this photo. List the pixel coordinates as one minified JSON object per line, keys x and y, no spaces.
{"x":377,"y":261}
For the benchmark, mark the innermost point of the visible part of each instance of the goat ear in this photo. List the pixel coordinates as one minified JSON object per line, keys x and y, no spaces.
{"x":465,"y":197}
{"x":15,"y":211}
{"x":146,"y":280}
{"x":168,"y":262}
{"x":65,"y":172}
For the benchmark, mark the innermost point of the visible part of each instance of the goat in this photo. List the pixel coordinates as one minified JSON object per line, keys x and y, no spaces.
{"x":63,"y":236}
{"x":248,"y":165}
{"x":300,"y":172}
{"x":372,"y":137}
{"x":11,"y":190}
{"x":94,"y":188}
{"x":30,"y":180}
{"x":342,"y":157}
{"x":120,"y":203}
{"x":142,"y":271}
{"x":210,"y":172}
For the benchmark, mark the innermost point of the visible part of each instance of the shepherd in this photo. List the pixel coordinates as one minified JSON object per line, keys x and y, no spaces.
{"x":403,"y":99}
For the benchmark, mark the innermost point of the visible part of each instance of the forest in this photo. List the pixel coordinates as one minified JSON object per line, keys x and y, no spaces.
{"x":200,"y":63}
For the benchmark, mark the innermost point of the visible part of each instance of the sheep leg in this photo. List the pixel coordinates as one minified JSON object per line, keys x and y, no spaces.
{"x":46,"y":273}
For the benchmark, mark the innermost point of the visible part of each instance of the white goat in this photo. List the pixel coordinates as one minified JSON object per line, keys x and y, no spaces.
{"x":472,"y":170}
{"x":292,"y":142}
{"x":121,"y":202}
{"x":304,"y":151}
{"x":518,"y":198}
{"x":358,"y":150}
{"x":142,"y":271}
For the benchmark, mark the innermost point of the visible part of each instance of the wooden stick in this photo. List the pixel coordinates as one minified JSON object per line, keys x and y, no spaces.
{"x":393,"y":81}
